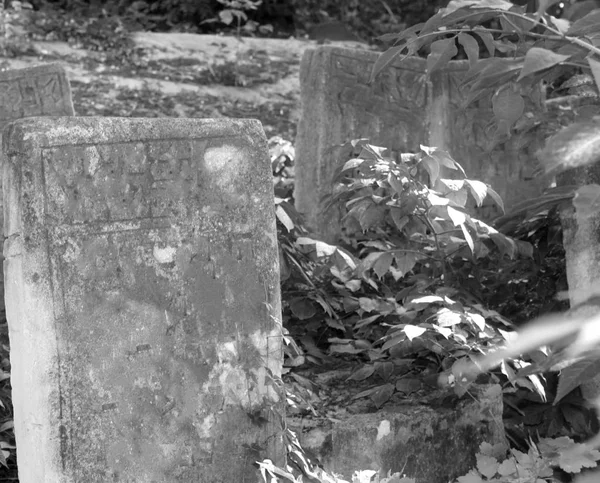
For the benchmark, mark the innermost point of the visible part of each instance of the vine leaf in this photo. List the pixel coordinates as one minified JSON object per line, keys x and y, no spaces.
{"x":586,"y":25}
{"x":595,"y":68}
{"x":538,"y":59}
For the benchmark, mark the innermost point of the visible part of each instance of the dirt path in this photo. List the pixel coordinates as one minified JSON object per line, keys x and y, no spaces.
{"x":186,"y":75}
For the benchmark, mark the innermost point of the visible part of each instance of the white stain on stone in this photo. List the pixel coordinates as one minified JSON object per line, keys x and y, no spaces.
{"x":93,"y":158}
{"x":383,"y":430}
{"x":164,"y":255}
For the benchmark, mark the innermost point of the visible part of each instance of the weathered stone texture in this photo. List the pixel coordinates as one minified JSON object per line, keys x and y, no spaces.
{"x":431,"y":444}
{"x":142,"y":299}
{"x":35,"y":91}
{"x":400,"y":110}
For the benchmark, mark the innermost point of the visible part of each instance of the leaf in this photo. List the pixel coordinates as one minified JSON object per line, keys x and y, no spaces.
{"x":471,"y":47}
{"x":413,"y":331}
{"x":399,"y":219}
{"x":382,"y":265}
{"x":487,"y":465}
{"x":538,"y":59}
{"x":226,"y":16}
{"x":373,"y":215}
{"x":508,"y":105}
{"x":573,"y":146}
{"x":427,"y":299}
{"x":477,"y":319}
{"x":468,"y":237}
{"x":478,"y":189}
{"x":457,"y":217}
{"x":395,"y":183}
{"x":433,"y":168}
{"x":442,"y":51}
{"x":492,"y":4}
{"x":384,"y":369}
{"x":353,"y":163}
{"x":408,"y":385}
{"x":575,"y":375}
{"x":496,"y":197}
{"x":385,"y":59}
{"x":595,"y":68}
{"x":587,"y":200}
{"x":382,"y":394}
{"x":587,"y":25}
{"x":487,"y":39}
{"x":471,"y":477}
{"x":368,"y":305}
{"x":405,"y":261}
{"x":448,"y":318}
{"x":302,"y":308}
{"x":283,"y":217}
{"x":363,"y":373}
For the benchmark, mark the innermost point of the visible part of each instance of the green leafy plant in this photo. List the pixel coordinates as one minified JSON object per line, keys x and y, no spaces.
{"x":535,"y":466}
{"x":509,"y":51}
{"x":235,"y":11}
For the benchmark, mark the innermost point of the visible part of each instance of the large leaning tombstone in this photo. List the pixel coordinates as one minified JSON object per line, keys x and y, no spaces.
{"x":400,"y":110}
{"x":142,"y":299}
{"x":34,"y":91}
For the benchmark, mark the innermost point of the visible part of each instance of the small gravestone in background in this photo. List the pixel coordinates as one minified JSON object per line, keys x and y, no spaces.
{"x":400,"y":110}
{"x":35,"y":91}
{"x":142,"y":300}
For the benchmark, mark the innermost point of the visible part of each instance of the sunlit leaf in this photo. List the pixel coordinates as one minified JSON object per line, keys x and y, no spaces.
{"x":353,"y":163}
{"x":471,"y":477}
{"x":413,"y":331}
{"x":478,"y":189}
{"x":448,"y":318}
{"x":468,"y":237}
{"x":283,"y":217}
{"x":538,"y":59}
{"x":457,"y":217}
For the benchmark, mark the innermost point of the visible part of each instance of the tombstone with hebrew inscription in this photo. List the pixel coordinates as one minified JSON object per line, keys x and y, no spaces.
{"x":142,"y":299}
{"x":400,"y":110}
{"x":34,"y":91}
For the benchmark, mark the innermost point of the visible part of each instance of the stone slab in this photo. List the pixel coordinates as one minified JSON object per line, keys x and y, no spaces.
{"x":401,"y":110}
{"x":34,"y":91}
{"x":430,"y":443}
{"x":142,"y":299}
{"x":42,"y":90}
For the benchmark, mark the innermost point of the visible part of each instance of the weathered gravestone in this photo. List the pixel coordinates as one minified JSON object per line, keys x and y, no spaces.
{"x":142,"y":299}
{"x":35,"y":91}
{"x":400,"y":111}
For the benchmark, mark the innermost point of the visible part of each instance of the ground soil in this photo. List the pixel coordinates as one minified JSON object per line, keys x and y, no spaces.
{"x":185,"y":75}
